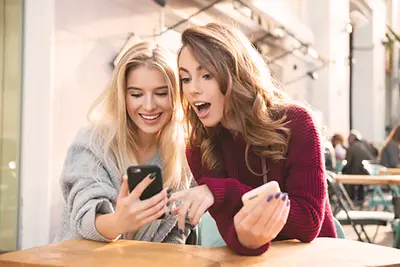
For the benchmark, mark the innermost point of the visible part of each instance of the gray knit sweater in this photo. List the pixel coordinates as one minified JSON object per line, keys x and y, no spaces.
{"x":89,"y":187}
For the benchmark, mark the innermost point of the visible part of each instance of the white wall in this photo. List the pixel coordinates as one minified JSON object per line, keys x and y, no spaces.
{"x":369,"y":76}
{"x":36,"y":128}
{"x":330,"y":92}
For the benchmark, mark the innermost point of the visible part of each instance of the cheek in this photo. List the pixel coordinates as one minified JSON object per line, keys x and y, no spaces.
{"x":165,"y":104}
{"x":132,"y":104}
{"x":185,"y":91}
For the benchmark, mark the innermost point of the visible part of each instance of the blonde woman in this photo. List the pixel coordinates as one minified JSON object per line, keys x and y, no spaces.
{"x":136,"y":120}
{"x":245,"y":132}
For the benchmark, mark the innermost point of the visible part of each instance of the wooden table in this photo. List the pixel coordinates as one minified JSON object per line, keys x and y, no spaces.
{"x":325,"y":252}
{"x":390,"y":171}
{"x":367,"y":179}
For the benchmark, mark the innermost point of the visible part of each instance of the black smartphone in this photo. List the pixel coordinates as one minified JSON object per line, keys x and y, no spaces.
{"x":137,"y":173}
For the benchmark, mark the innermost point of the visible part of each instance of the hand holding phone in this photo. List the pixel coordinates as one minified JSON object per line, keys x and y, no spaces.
{"x":263,"y":215}
{"x":136,"y":174}
{"x":131,"y":212}
{"x":263,"y":191}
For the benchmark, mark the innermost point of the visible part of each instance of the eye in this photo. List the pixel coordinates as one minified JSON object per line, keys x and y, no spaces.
{"x":185,"y":80}
{"x":162,"y":94}
{"x":136,"y":95}
{"x":207,"y":76}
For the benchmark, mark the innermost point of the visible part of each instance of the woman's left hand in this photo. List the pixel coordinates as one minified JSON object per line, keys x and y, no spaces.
{"x":195,"y":202}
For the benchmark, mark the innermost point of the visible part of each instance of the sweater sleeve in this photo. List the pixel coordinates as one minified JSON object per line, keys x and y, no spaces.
{"x":227,"y":194}
{"x":305,"y":181}
{"x":87,"y":190}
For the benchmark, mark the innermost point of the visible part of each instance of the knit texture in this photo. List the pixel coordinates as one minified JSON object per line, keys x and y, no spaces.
{"x":301,"y":175}
{"x":90,"y":187}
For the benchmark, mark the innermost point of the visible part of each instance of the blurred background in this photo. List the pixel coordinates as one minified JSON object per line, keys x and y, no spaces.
{"x":56,"y":56}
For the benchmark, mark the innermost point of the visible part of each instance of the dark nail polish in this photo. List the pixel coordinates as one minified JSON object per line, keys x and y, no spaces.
{"x":153,"y":175}
{"x":169,"y":195}
{"x":169,"y":190}
{"x":180,"y":231}
{"x":284,"y":197}
{"x":270,"y":198}
{"x":278,"y":195}
{"x":193,"y":226}
{"x":288,"y":203}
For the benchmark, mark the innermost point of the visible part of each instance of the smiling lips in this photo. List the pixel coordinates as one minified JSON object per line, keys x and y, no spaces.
{"x":150,"y":117}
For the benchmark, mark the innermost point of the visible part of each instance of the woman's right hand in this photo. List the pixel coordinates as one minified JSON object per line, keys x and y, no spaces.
{"x":131,"y":213}
{"x":259,"y":223}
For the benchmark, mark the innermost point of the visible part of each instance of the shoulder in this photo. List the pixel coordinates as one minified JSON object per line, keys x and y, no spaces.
{"x":88,"y":136}
{"x":302,"y":121}
{"x":305,"y":142}
{"x":297,"y":115}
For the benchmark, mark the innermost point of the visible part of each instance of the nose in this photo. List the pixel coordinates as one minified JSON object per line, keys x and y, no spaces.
{"x":195,"y":88}
{"x":149,"y":103}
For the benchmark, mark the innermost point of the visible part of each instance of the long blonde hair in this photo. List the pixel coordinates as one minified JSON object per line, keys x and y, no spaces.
{"x":116,"y":131}
{"x":254,"y":104}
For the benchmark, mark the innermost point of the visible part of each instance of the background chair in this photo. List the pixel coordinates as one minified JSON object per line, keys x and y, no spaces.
{"x":346,"y":214}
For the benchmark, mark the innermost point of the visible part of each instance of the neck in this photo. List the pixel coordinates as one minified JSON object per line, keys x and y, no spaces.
{"x":147,"y":141}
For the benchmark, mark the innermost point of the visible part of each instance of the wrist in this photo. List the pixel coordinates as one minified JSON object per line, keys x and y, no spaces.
{"x":116,"y":224}
{"x":107,"y":225}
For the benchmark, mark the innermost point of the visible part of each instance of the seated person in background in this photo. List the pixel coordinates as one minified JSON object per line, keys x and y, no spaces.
{"x":246,"y":132}
{"x":338,"y":144}
{"x":136,"y":120}
{"x":357,"y":152}
{"x":390,"y":153}
{"x":330,"y":157}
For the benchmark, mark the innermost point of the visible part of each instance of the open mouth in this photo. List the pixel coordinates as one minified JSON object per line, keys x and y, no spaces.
{"x":150,"y":117}
{"x":202,"y":107}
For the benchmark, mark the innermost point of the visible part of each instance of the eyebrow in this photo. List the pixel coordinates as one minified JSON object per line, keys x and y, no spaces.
{"x":140,"y":89}
{"x":199,"y":68}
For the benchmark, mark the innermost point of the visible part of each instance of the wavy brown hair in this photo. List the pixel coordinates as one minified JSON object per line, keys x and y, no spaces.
{"x":254,"y":105}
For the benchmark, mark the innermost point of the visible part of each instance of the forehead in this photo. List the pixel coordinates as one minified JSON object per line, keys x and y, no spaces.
{"x":187,"y":60}
{"x":146,"y":77}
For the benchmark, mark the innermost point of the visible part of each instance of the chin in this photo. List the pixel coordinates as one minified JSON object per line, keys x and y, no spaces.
{"x":151,"y":130}
{"x":209,"y":123}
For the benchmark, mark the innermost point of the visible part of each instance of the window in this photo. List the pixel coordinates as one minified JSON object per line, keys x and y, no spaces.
{"x":10,"y":118}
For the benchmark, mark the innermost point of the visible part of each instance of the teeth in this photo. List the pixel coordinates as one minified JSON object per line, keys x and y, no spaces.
{"x":199,"y":104}
{"x":150,"y":117}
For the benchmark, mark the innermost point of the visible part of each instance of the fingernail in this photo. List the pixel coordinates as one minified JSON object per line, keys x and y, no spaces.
{"x":180,"y":231}
{"x":152,"y":175}
{"x":193,"y":226}
{"x":278,"y":194}
{"x":288,"y":203}
{"x":169,"y":195}
{"x":270,"y":198}
{"x":169,"y":190}
{"x":284,"y":197}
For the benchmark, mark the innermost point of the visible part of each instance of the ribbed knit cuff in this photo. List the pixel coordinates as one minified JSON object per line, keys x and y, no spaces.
{"x":88,"y":223}
{"x":226,"y":189}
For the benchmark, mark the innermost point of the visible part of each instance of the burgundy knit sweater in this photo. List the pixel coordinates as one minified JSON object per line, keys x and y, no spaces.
{"x":301,"y":175}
